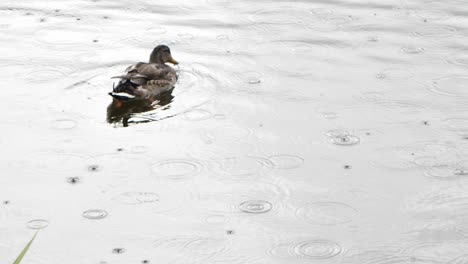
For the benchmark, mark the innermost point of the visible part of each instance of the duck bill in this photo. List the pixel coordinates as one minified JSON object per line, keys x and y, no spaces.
{"x":171,"y":60}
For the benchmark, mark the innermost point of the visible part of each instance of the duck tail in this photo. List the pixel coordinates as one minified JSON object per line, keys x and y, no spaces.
{"x":122,"y":96}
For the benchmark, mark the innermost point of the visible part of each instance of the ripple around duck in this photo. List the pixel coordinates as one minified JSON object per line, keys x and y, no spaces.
{"x":37,"y":224}
{"x":453,"y":85}
{"x":436,"y":32}
{"x":327,"y":213}
{"x":132,"y":198}
{"x":284,"y":162}
{"x":197,"y":115}
{"x":177,"y":168}
{"x":310,"y":249}
{"x":255,"y":206}
{"x":148,"y":35}
{"x":95,"y":214}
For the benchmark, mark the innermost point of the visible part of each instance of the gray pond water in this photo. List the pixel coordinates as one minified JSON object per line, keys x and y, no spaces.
{"x":298,"y":132}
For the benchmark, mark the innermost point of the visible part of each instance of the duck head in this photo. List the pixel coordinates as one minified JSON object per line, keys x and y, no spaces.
{"x":162,"y":54}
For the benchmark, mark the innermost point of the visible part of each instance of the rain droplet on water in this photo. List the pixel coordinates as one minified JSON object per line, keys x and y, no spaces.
{"x":255,"y":206}
{"x":73,"y":180}
{"x":93,"y":167}
{"x":95,"y":214}
{"x":37,"y":224}
{"x":345,"y":140}
{"x":118,"y":250}
{"x":318,"y":249}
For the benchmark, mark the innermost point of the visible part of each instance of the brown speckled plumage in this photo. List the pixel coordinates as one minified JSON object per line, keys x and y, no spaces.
{"x":146,"y":80}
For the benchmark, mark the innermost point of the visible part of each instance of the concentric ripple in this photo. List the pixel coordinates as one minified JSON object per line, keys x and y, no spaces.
{"x":64,"y":35}
{"x":440,"y":203}
{"x":197,"y":115}
{"x":459,"y":58}
{"x":412,"y":49}
{"x":395,"y":74}
{"x":137,"y":197}
{"x":95,"y":214}
{"x":255,"y":206}
{"x":456,"y":124}
{"x":404,"y":260}
{"x":348,"y":140}
{"x":318,"y":249}
{"x":436,"y":31}
{"x":192,"y":246}
{"x":282,"y":161}
{"x":447,"y":172}
{"x":309,"y":249}
{"x":327,"y":213}
{"x":37,"y":224}
{"x":453,"y":85}
{"x":177,"y":168}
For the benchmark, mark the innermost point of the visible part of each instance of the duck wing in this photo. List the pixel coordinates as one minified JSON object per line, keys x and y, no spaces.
{"x":142,"y":78}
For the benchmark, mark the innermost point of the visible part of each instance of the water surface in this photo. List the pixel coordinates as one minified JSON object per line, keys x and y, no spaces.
{"x":298,"y":132}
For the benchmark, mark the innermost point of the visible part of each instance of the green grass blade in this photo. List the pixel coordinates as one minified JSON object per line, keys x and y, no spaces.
{"x":21,"y":255}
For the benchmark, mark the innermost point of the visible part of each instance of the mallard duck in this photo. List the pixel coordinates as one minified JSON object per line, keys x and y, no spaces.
{"x":146,"y":80}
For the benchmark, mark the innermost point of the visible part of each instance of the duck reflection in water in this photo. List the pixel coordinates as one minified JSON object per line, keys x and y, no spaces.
{"x":122,"y":111}
{"x":143,"y":86}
